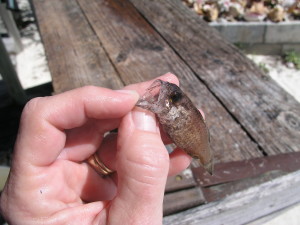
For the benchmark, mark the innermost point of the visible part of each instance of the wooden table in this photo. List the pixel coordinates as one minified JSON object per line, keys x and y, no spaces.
{"x":254,"y":124}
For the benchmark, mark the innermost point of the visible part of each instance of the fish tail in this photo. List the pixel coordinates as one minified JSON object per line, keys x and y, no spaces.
{"x":209,"y":167}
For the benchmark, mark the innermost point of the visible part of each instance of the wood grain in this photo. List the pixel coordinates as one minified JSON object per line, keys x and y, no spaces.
{"x":75,"y":55}
{"x":245,"y":206}
{"x":238,"y":170}
{"x":181,"y":181}
{"x":219,"y":192}
{"x":139,"y":53}
{"x":181,"y":200}
{"x":270,"y":115}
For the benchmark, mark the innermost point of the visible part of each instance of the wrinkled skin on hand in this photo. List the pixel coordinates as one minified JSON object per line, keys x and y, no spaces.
{"x":50,"y":182}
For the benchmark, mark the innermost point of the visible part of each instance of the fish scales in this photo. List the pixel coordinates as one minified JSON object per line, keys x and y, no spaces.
{"x":180,"y":119}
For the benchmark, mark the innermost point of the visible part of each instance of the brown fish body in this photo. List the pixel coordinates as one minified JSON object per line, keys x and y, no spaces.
{"x":180,"y":119}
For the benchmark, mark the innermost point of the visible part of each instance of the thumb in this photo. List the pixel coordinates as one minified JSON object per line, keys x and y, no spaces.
{"x":142,"y":166}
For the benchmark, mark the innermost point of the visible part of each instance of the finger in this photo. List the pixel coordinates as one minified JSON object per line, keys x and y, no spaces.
{"x":83,"y":141}
{"x":92,"y":213}
{"x":108,"y":150}
{"x":141,"y":87}
{"x":106,"y":154}
{"x":142,"y":166}
{"x":202,"y":113}
{"x":179,"y":161}
{"x":96,"y":187}
{"x":93,"y":186}
{"x":42,"y":137}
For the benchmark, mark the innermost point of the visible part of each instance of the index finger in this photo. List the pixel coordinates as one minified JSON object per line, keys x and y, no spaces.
{"x":141,"y":87}
{"x":41,"y":136}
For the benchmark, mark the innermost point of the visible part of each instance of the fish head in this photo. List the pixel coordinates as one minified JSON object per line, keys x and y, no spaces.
{"x":180,"y":119}
{"x":170,"y":95}
{"x":161,"y":96}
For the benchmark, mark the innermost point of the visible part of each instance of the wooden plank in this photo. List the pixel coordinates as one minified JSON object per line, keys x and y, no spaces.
{"x":289,"y":214}
{"x":270,"y":115}
{"x":75,"y":55}
{"x":181,"y":181}
{"x":139,"y":53}
{"x":245,"y":206}
{"x":219,"y":192}
{"x":232,"y":171}
{"x":181,"y":200}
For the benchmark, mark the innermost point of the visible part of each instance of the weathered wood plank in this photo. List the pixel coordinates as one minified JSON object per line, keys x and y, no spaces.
{"x":74,"y":53}
{"x":181,"y":200}
{"x":182,"y":180}
{"x":245,"y":206}
{"x":139,"y":53}
{"x":270,"y":116}
{"x":219,"y":192}
{"x":232,"y":171}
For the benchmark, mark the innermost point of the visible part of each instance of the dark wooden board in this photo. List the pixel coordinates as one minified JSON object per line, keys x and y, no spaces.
{"x":232,"y":171}
{"x":268,"y":114}
{"x":181,"y":200}
{"x":75,"y":56}
{"x":181,"y":181}
{"x":219,"y":192}
{"x":245,"y":206}
{"x":139,"y":53}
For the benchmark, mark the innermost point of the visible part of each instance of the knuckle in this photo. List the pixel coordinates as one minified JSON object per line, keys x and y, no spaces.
{"x":33,"y":106}
{"x":90,"y":89}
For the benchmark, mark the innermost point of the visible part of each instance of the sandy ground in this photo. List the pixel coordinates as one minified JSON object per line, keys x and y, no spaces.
{"x":31,"y":64}
{"x":287,"y":78}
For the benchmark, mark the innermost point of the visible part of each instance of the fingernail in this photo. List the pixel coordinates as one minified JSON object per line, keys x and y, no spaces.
{"x":144,"y":120}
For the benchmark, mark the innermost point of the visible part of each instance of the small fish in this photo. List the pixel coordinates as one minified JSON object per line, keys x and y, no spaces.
{"x":180,"y":119}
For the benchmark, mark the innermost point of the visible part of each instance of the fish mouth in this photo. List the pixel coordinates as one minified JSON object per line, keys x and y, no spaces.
{"x":151,"y":96}
{"x":155,"y":89}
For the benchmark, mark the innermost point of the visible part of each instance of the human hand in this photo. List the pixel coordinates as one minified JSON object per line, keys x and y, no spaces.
{"x":50,"y":183}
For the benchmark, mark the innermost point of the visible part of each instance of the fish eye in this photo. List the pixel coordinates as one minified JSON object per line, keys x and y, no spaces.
{"x":175,"y":97}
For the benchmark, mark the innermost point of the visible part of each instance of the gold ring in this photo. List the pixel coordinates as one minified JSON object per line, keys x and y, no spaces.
{"x":99,"y":166}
